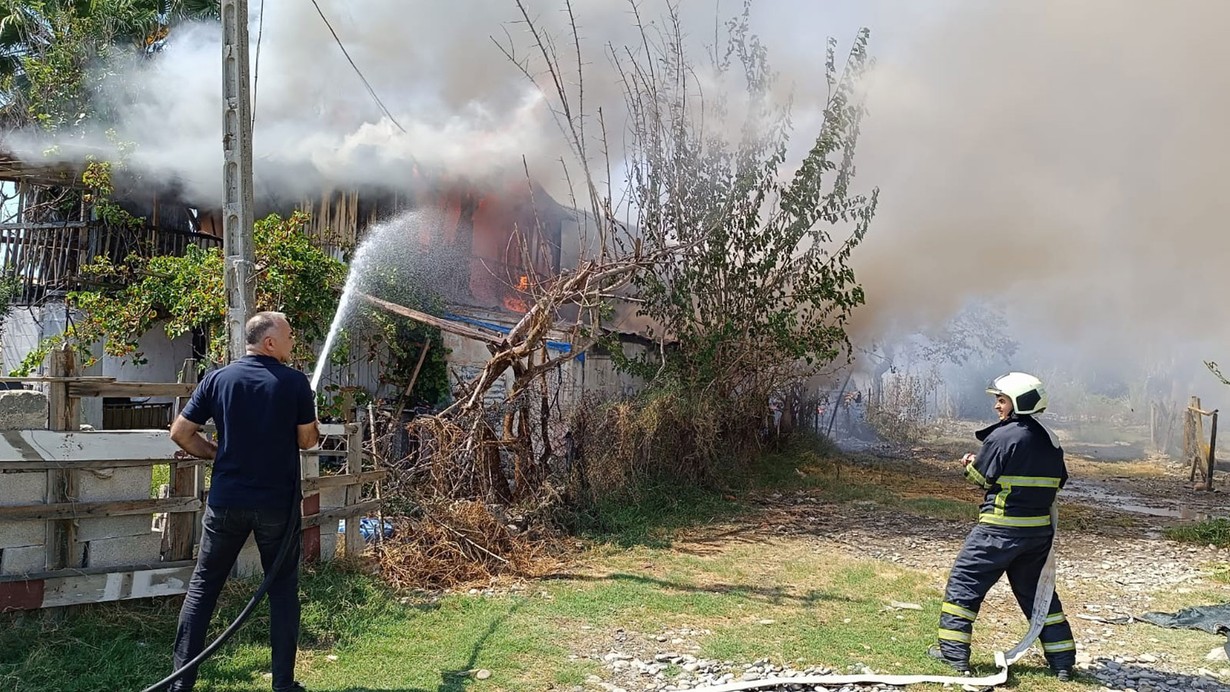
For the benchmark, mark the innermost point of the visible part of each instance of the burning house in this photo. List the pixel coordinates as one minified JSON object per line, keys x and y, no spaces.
{"x":486,"y":245}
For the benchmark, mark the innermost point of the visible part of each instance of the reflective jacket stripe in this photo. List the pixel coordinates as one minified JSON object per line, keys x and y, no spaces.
{"x":1023,"y":522}
{"x":1007,"y":483}
{"x":1029,"y":481}
{"x":974,"y":476}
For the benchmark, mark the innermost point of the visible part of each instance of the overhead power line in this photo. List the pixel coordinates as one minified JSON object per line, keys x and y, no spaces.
{"x":359,"y":72}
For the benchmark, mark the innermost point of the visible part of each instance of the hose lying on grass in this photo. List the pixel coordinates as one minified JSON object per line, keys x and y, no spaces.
{"x":1042,"y":604}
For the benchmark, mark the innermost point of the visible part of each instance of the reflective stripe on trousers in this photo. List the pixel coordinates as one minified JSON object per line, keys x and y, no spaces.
{"x":987,"y":555}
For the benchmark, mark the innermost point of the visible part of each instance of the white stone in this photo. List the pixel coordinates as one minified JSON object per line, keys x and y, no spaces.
{"x":25,"y":488}
{"x":19,"y":534}
{"x":108,"y":485}
{"x":123,"y":550}
{"x":23,"y":410}
{"x":25,"y":560}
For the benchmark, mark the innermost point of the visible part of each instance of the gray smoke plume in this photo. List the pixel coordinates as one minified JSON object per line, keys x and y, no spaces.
{"x":1058,"y":159}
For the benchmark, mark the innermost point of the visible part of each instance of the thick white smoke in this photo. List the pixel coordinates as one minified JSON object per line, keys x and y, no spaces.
{"x":1059,"y":159}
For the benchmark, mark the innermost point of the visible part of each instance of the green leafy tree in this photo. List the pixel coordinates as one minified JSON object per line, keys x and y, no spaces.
{"x":743,"y":248}
{"x":761,"y":287}
{"x":53,"y":52}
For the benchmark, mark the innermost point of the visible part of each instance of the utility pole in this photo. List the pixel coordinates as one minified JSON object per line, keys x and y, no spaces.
{"x":237,"y":243}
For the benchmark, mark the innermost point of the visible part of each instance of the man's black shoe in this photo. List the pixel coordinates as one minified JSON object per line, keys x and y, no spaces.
{"x":1064,"y":674}
{"x":961,"y":667}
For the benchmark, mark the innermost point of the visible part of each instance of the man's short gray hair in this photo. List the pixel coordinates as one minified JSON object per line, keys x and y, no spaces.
{"x":260,"y":324}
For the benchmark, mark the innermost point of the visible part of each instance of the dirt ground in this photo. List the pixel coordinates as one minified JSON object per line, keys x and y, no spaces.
{"x":1115,"y":562}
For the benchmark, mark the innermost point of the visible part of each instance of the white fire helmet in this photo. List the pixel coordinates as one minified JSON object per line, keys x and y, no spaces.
{"x":1026,"y":392}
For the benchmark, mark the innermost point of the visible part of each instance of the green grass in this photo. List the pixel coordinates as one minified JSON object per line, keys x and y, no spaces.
{"x":786,"y":599}
{"x":650,"y":515}
{"x":1221,"y":572}
{"x":1211,"y":532}
{"x":941,"y":508}
{"x":803,"y":608}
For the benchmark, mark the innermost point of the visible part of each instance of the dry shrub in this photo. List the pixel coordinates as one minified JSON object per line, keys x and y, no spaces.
{"x":901,"y":414}
{"x":666,"y":434}
{"x":461,"y":543}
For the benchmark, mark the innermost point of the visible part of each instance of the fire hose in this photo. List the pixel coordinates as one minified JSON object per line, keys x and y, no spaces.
{"x":1041,"y":607}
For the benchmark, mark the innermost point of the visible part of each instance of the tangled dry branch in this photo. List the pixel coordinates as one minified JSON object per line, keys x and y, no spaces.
{"x":460,"y":543}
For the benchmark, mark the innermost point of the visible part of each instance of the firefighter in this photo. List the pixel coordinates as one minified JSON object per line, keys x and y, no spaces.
{"x":1020,"y":465}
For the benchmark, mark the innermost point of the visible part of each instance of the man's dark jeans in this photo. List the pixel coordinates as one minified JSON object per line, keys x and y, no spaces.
{"x":226,"y":531}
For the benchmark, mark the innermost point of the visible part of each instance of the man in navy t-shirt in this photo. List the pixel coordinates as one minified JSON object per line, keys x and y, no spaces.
{"x":265,"y":413}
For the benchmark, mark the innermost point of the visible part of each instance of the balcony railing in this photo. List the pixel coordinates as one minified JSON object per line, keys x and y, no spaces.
{"x":48,"y":257}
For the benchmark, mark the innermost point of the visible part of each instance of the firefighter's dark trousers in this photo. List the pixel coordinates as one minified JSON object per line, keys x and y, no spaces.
{"x":988,"y":553}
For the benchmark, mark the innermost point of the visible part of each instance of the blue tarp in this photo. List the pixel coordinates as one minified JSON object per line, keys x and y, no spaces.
{"x":367,"y":528}
{"x":561,"y":346}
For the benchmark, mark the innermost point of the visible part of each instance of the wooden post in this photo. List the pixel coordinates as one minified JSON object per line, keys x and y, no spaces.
{"x":1192,"y":436}
{"x":186,"y":481}
{"x":354,"y":465}
{"x":1212,"y":451}
{"x":371,"y":430}
{"x":64,"y":413}
{"x":1153,"y":424}
{"x":309,"y":465}
{"x":414,"y":378}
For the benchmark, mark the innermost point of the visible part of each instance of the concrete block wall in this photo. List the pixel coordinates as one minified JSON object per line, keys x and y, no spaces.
{"x":22,"y":543}
{"x":25,"y":560}
{"x":329,"y":540}
{"x":117,"y":541}
{"x":18,"y":534}
{"x":107,"y":485}
{"x":23,"y":488}
{"x":121,"y":550}
{"x":96,"y":529}
{"x":100,"y":541}
{"x":330,"y":498}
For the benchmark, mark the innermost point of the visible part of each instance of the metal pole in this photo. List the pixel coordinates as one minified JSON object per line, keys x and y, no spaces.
{"x":237,"y":174}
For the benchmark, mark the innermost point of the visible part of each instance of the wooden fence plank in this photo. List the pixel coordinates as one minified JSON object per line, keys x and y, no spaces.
{"x":67,"y":511}
{"x":63,"y":416}
{"x":181,"y":527}
{"x":102,"y":388}
{"x":21,"y":595}
{"x":115,"y":586}
{"x":343,"y":479}
{"x":87,"y":464}
{"x":354,"y":466}
{"x":341,"y":513}
{"x":309,"y":468}
{"x":337,"y":429}
{"x":68,"y":447}
{"x":324,"y":452}
{"x":85,"y":571}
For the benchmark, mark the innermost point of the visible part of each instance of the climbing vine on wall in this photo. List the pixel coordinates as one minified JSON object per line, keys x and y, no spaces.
{"x":292,"y":276}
